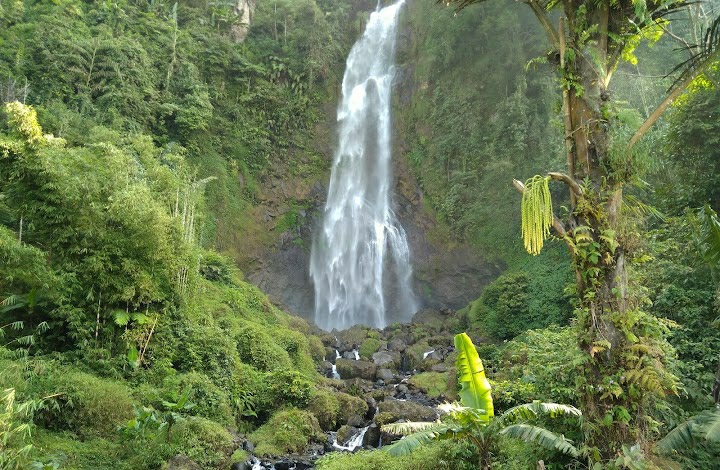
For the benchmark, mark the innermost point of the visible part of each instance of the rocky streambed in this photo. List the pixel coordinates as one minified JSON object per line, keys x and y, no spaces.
{"x":401,"y":373}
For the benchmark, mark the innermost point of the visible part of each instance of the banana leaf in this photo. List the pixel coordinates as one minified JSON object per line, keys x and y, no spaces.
{"x":475,"y":392}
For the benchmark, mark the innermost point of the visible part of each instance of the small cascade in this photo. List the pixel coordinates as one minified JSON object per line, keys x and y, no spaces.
{"x":337,"y":355}
{"x":427,"y":354}
{"x":356,"y":354}
{"x":335,"y":373}
{"x":354,"y":443}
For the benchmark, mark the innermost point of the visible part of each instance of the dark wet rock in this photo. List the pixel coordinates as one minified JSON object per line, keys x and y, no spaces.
{"x":349,"y":355}
{"x":372,"y":436}
{"x":182,"y":462}
{"x":248,"y":446}
{"x":356,"y":421}
{"x":439,"y":368}
{"x":372,"y":407}
{"x":385,"y":375}
{"x":387,"y":359}
{"x":350,"y":369}
{"x":330,"y":354}
{"x":325,"y":368}
{"x":396,"y":410}
{"x":241,"y":466}
{"x":345,"y":433}
{"x":402,"y":388}
{"x":397,"y":345}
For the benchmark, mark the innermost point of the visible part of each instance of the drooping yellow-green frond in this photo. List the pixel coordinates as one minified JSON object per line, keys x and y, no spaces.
{"x":537,"y":213}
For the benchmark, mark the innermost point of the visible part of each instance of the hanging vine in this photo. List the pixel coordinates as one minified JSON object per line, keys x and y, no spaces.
{"x":537,"y":213}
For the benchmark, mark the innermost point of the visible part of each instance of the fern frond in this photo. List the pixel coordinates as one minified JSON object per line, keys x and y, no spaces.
{"x":541,"y":437}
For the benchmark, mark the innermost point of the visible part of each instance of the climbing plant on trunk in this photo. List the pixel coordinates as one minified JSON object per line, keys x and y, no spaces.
{"x":623,"y":346}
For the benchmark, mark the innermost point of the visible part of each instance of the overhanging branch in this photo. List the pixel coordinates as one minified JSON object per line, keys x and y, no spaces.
{"x":572,"y":184}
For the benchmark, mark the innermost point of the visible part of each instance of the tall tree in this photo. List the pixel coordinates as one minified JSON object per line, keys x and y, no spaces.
{"x":623,"y":363}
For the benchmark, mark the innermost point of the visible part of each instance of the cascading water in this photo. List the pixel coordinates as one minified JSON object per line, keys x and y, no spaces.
{"x":361,"y":241}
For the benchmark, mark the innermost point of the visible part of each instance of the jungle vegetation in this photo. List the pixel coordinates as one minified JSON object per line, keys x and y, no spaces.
{"x":136,"y":138}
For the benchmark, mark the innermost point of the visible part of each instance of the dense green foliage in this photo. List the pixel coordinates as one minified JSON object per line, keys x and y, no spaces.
{"x":136,"y":140}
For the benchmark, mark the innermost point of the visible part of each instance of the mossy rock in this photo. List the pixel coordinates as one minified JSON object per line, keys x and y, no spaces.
{"x":326,"y":408}
{"x":286,"y":432}
{"x":350,"y":406}
{"x":204,"y":441}
{"x":433,"y":384}
{"x":355,"y":335}
{"x":369,"y":347}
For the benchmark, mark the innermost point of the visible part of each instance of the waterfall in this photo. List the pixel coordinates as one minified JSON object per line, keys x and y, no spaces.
{"x":360,"y":260}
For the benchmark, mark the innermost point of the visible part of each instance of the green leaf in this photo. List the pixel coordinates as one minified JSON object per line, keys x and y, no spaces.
{"x":541,"y":437}
{"x":409,"y":443}
{"x":475,"y":392}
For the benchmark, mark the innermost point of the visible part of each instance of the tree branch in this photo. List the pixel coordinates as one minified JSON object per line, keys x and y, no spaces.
{"x":557,"y":223}
{"x":572,"y":184}
{"x":545,"y":22}
{"x":669,"y":99}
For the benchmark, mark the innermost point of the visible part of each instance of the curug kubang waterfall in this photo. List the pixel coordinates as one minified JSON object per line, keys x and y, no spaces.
{"x":360,"y":260}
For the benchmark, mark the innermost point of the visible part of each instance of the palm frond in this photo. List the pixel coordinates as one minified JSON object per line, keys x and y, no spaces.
{"x":409,"y":443}
{"x":705,"y":425}
{"x":541,"y":437}
{"x":529,"y":411}
{"x":404,"y":429}
{"x":701,"y":54}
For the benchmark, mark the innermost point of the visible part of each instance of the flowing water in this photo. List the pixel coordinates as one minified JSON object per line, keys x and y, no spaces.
{"x":360,"y":261}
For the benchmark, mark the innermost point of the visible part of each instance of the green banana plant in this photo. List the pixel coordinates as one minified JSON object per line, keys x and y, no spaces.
{"x":473,"y":418}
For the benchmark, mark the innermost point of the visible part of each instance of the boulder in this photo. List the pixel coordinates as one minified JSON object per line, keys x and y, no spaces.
{"x":386,"y":375}
{"x":397,"y":345}
{"x":372,"y":436}
{"x":439,"y":368}
{"x":395,"y":410}
{"x":351,"y":369}
{"x":387,"y":359}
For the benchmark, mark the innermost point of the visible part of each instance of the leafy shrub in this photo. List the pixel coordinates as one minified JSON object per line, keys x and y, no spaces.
{"x":90,"y":406}
{"x":326,"y":408}
{"x":258,"y":348}
{"x":217,"y":268}
{"x":210,"y":400}
{"x":289,"y":387}
{"x":287,"y":431}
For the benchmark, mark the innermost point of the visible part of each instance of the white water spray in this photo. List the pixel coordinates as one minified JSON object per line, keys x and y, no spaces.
{"x":361,"y":249}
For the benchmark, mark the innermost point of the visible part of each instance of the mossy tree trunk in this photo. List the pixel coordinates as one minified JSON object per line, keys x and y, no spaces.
{"x":623,"y":347}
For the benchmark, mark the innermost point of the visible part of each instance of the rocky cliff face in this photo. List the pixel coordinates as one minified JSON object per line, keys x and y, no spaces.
{"x":446,"y":273}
